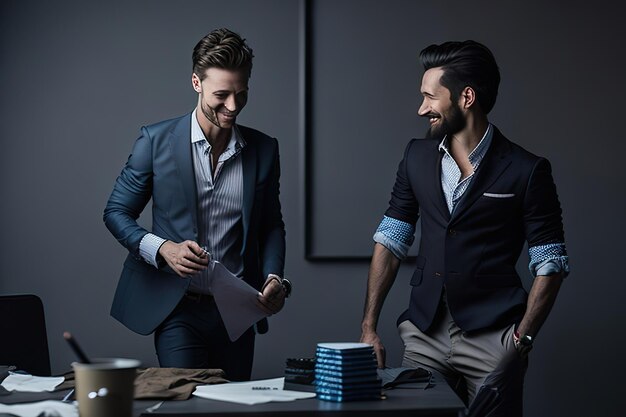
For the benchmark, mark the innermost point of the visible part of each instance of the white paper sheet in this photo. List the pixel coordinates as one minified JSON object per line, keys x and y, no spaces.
{"x":31,"y":383}
{"x":236,"y":300}
{"x":252,"y":392}
{"x":41,"y":408}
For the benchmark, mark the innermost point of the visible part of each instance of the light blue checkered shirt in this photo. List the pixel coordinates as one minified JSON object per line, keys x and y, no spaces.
{"x":398,"y":236}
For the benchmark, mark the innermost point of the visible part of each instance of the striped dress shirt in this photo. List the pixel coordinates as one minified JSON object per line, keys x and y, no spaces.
{"x":220,"y":202}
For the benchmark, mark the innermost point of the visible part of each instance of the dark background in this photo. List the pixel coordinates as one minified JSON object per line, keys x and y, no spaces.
{"x":77,"y":81}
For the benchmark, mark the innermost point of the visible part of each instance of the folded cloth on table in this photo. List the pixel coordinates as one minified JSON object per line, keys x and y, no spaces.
{"x":392,"y":377}
{"x":173,"y":383}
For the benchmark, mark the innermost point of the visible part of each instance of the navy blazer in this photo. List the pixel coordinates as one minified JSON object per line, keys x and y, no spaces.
{"x":161,"y":167}
{"x":473,"y":252}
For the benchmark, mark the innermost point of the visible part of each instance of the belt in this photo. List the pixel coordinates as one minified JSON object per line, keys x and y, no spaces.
{"x":198,"y":296}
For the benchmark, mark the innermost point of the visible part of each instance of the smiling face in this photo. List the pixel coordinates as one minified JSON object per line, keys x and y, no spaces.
{"x":444,"y":114}
{"x":222,"y":95}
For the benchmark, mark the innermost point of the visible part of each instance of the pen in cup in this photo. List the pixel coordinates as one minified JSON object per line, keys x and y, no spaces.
{"x":81,"y":355}
{"x":74,"y":345}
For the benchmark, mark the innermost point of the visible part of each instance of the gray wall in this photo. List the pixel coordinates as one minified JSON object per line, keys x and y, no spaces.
{"x":77,"y":80}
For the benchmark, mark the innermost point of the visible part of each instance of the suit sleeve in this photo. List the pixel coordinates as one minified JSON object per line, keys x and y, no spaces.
{"x":131,"y":193}
{"x":403,"y":205}
{"x":543,"y":223}
{"x":272,"y":228}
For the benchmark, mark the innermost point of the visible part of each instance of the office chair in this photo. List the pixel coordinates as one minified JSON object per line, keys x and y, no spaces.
{"x":23,"y":333}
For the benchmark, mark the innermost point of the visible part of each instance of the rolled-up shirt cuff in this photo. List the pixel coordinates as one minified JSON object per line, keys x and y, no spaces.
{"x":553,"y":266}
{"x":399,"y":250}
{"x":548,"y":259}
{"x":395,"y":235}
{"x":149,"y":248}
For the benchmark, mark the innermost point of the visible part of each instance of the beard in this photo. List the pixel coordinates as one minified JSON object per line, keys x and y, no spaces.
{"x":210,"y":113}
{"x":451,"y":122}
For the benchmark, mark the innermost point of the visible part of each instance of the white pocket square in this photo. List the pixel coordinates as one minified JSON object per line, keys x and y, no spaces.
{"x":496,"y":195}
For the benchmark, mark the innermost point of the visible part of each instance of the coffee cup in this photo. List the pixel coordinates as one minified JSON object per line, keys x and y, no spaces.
{"x":105,"y":387}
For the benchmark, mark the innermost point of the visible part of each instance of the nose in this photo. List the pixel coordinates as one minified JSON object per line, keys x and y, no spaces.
{"x":422,"y":109}
{"x":231,"y":103}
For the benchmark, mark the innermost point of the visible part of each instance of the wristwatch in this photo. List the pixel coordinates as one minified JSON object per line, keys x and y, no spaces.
{"x":523,"y":340}
{"x":526,"y":340}
{"x":286,"y":286}
{"x":284,"y":282}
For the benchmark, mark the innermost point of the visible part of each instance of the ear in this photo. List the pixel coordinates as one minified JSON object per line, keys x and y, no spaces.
{"x":468,"y":97}
{"x":196,"y":83}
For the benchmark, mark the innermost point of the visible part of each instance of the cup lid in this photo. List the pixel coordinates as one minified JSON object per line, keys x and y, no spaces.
{"x":108,"y":363}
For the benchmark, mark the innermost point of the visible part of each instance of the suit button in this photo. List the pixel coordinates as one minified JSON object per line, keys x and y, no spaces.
{"x":437,"y":274}
{"x":452,"y":232}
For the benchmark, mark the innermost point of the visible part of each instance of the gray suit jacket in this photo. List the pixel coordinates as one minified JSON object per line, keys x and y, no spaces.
{"x":160,"y":167}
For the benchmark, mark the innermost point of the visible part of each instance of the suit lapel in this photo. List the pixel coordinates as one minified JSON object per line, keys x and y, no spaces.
{"x":441,"y":203}
{"x":180,"y":143}
{"x":495,"y":162}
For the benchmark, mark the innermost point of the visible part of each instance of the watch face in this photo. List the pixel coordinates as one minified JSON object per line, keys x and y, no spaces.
{"x":526,"y":340}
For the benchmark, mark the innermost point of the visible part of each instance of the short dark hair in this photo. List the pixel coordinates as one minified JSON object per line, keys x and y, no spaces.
{"x":222,"y":48}
{"x":466,"y":63}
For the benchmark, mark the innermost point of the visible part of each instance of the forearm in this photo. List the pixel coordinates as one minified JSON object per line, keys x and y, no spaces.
{"x":382,"y":274}
{"x":540,"y":301}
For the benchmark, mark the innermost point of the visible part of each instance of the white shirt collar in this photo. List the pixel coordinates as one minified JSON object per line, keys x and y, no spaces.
{"x":479,"y":151}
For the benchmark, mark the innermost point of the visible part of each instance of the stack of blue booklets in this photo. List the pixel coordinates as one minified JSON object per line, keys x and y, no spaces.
{"x":346,"y":372}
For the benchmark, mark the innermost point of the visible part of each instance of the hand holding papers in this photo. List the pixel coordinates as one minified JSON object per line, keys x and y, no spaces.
{"x":273,"y":294}
{"x":235,"y":299}
{"x":250,"y":393}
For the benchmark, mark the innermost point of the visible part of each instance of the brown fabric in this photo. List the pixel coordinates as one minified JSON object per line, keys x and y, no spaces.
{"x":173,"y":383}
{"x":67,"y":383}
{"x":164,"y":383}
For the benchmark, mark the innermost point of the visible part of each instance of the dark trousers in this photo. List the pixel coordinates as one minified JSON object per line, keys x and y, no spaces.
{"x":194,"y":336}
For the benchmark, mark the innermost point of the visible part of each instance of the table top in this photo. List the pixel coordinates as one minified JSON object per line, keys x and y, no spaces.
{"x":437,"y":400}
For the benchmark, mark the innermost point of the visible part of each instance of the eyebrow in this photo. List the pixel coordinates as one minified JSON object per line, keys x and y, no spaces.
{"x":229,"y":91}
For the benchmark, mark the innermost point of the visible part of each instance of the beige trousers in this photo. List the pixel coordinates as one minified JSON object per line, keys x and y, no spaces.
{"x":483,"y":361}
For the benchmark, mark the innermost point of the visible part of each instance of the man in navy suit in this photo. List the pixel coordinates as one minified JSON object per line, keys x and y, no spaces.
{"x":214,"y":187}
{"x":479,"y":198}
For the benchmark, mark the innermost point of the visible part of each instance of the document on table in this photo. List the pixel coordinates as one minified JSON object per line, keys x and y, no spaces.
{"x":30,"y":383}
{"x":252,"y":392}
{"x":236,"y":300}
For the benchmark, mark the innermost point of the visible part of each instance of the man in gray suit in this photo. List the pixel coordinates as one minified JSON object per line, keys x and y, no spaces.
{"x":214,"y":187}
